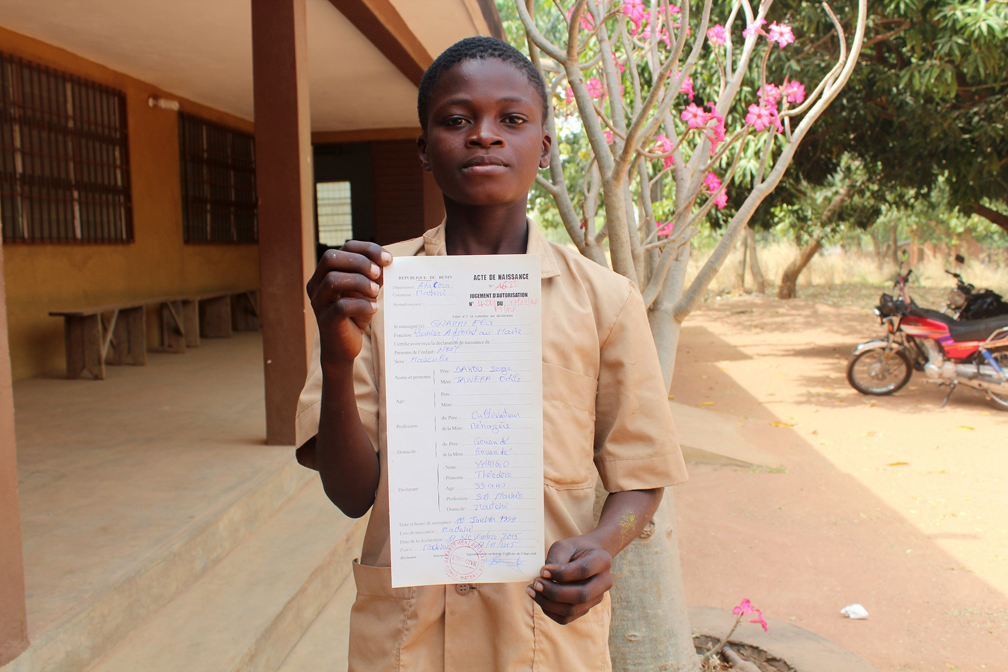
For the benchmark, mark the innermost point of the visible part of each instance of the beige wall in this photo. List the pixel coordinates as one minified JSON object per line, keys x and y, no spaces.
{"x":13,"y":622}
{"x":41,"y":278}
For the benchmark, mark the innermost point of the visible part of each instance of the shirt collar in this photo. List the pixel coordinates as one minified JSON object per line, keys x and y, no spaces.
{"x":434,"y":246}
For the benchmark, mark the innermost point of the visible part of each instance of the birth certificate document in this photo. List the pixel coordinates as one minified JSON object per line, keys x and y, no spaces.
{"x":463,"y":390}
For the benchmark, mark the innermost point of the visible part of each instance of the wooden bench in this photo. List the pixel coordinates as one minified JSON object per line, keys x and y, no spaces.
{"x":117,"y":333}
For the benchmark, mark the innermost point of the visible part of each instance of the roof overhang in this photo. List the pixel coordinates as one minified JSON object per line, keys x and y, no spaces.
{"x":365,"y":57}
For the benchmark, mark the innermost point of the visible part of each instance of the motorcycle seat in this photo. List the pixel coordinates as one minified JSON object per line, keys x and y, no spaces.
{"x":977,"y":330}
{"x":936,"y":315}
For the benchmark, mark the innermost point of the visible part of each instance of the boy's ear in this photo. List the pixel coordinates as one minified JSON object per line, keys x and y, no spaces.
{"x":421,"y":143}
{"x":547,"y":146}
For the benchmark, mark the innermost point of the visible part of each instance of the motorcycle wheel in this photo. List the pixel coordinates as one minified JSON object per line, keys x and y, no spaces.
{"x":1000,"y":399}
{"x":870,"y":373}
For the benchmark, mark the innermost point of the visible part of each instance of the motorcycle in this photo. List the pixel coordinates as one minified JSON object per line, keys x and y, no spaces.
{"x":949,"y":351}
{"x":967,"y":303}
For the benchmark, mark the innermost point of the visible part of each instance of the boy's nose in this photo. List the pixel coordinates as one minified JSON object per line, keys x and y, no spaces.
{"x":484,"y":134}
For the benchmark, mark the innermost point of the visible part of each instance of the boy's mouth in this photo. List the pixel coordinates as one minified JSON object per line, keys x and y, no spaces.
{"x":484,"y":164}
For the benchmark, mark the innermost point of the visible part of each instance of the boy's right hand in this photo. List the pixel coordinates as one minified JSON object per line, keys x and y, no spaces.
{"x":343,"y":293}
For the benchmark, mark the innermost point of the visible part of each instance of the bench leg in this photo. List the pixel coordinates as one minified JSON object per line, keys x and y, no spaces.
{"x":84,"y":346}
{"x":172,"y":337}
{"x":129,"y":338}
{"x":215,"y":317}
{"x":136,"y":318}
{"x":245,"y":311}
{"x":191,"y":322}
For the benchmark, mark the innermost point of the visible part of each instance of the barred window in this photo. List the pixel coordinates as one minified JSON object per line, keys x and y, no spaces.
{"x":218,"y":183}
{"x":64,"y":158}
{"x":332,"y":207}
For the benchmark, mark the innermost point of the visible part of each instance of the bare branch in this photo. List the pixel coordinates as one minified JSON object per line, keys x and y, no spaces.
{"x":550,"y":49}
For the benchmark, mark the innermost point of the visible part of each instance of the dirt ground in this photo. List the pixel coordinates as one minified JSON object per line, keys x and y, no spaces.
{"x":890,"y":502}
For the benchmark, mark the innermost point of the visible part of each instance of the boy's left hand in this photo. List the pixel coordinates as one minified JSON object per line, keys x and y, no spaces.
{"x":574,"y":579}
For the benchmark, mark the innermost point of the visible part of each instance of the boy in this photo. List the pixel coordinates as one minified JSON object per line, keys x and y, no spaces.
{"x":482,"y":108}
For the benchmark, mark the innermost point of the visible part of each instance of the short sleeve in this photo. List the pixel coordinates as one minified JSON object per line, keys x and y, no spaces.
{"x":636,"y":447}
{"x":365,"y":387}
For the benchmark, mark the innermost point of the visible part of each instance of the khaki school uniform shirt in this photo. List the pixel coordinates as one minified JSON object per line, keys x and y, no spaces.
{"x":605,"y":414}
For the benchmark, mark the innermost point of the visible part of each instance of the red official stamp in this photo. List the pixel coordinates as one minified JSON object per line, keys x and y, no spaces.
{"x":464,"y":560}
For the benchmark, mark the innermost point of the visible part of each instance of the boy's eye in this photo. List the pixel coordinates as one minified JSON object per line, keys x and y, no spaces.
{"x":455,"y":121}
{"x":514,"y":119}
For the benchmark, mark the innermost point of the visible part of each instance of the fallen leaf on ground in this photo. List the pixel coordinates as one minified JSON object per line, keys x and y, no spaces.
{"x":898,"y":464}
{"x":671,"y":396}
{"x":706,"y":403}
{"x":778,"y":423}
{"x":966,"y":428}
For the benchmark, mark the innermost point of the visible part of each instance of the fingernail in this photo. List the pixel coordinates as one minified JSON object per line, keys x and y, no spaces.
{"x":374,"y":287}
{"x":374,"y":305}
{"x":546,"y":574}
{"x":531,"y":593}
{"x":386,"y":257}
{"x":538,"y":586}
{"x":375,"y":270}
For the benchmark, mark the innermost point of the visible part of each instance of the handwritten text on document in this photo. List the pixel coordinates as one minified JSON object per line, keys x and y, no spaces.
{"x":463,"y":376}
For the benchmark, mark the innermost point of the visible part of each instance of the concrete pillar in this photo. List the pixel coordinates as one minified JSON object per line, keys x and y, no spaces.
{"x":284,"y":184}
{"x":13,"y":623}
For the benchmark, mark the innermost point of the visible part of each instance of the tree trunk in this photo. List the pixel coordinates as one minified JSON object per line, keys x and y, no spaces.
{"x":754,"y":265}
{"x":745,"y":254}
{"x":894,"y":241}
{"x":991,"y":215}
{"x":650,"y":627}
{"x":789,"y":280}
{"x":650,"y":624}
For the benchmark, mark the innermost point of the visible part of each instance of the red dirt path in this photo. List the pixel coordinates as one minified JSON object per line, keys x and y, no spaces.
{"x":922,"y":545}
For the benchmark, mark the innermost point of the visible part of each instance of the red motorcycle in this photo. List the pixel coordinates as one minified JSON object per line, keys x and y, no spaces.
{"x":949,"y":352}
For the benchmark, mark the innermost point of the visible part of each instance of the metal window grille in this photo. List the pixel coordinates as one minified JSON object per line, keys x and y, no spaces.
{"x":335,"y":221}
{"x":64,"y":158}
{"x":218,"y":183}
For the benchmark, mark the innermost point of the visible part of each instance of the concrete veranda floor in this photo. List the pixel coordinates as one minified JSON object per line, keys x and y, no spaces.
{"x":110,"y":472}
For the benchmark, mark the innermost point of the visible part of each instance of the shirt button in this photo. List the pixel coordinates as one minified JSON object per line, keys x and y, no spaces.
{"x":462,"y":588}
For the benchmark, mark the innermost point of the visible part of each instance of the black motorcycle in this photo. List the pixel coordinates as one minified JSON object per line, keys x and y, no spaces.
{"x":966,"y":302}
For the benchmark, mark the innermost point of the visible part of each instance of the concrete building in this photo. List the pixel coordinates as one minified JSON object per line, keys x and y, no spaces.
{"x":161,"y":162}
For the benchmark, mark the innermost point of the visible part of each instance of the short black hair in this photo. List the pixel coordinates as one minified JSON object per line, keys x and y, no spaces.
{"x":477,"y":49}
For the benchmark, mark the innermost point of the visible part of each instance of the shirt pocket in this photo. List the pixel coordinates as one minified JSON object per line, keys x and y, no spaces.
{"x":377,"y":620}
{"x":568,"y":427}
{"x":581,"y":645}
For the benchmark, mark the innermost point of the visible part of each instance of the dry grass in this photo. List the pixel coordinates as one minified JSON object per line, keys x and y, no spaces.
{"x":850,"y":278}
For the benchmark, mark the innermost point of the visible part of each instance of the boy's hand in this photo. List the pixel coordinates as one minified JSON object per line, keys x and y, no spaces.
{"x":574,"y":579}
{"x":343,"y":293}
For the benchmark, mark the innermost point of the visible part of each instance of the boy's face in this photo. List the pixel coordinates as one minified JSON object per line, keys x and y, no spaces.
{"x":485,"y":139}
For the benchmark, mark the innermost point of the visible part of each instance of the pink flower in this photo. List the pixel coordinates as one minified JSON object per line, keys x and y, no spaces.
{"x":570,"y":96}
{"x":743,"y":609}
{"x":687,"y":87}
{"x":662,"y":35}
{"x":761,"y":117}
{"x":754,"y":27}
{"x":795,"y":91}
{"x":595,"y":88}
{"x":608,"y":136}
{"x":721,"y":200}
{"x":712,"y":182}
{"x":694,"y":116}
{"x":716,"y":35}
{"x":759,"y":619}
{"x":781,"y":34}
{"x":664,"y":145}
{"x":618,"y":63}
{"x":769,"y":94}
{"x":637,"y":13}
{"x":666,"y":229}
{"x":717,"y":135}
{"x":587,"y":21}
